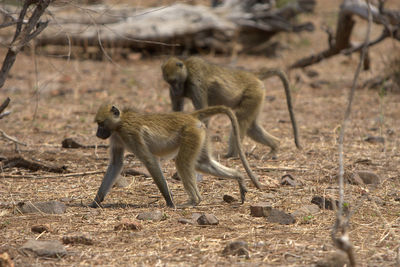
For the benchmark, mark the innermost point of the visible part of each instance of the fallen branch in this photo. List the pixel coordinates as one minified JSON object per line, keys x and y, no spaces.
{"x":12,"y":139}
{"x":128,"y":172}
{"x":71,"y":143}
{"x":282,"y":169}
{"x":20,"y":162}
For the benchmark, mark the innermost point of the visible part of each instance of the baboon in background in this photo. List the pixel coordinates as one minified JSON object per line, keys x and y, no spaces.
{"x":151,"y":136}
{"x":208,"y":84}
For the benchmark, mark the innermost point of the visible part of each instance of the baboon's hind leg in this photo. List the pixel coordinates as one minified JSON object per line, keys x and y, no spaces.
{"x":208,"y":165}
{"x":258,"y":134}
{"x":185,"y":164}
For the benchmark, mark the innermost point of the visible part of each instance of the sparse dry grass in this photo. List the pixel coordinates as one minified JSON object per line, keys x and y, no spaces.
{"x":69,"y":94}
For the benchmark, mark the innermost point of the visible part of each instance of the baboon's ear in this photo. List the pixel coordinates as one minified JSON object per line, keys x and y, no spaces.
{"x":115,"y":111}
{"x":179,"y":64}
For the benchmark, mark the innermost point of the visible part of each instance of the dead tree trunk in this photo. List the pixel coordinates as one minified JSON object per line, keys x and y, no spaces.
{"x":341,"y":42}
{"x":177,"y":27}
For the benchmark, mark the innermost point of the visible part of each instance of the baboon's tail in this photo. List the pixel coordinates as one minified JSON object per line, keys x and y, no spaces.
{"x":205,"y":113}
{"x":266,"y":73}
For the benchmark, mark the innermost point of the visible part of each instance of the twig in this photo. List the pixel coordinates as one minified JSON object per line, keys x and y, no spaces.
{"x":52,"y":176}
{"x":129,"y":172}
{"x":341,"y":225}
{"x":5,"y":104}
{"x":282,"y":169}
{"x":12,"y":139}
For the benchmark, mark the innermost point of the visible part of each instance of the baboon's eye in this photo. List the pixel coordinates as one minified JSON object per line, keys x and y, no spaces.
{"x":115,"y":111}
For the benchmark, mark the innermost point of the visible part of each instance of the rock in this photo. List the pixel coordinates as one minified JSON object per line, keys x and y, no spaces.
{"x":229,"y":199}
{"x":70,"y":143}
{"x":121,"y":182}
{"x":337,"y":259}
{"x":260,"y":209}
{"x":176,"y":177}
{"x":155,"y":216}
{"x":374,"y":139}
{"x":237,"y":248}
{"x":207,"y":219}
{"x":40,"y":228}
{"x":324,"y":203}
{"x":126,"y":224}
{"x":281,"y":217}
{"x":305,"y":210}
{"x":49,"y":207}
{"x":50,"y":248}
{"x":185,"y":221}
{"x":287,"y":179}
{"x":354,"y":179}
{"x":78,"y":239}
{"x":195,"y":216}
{"x":269,"y":195}
{"x":366,"y":177}
{"x":66,"y":199}
{"x":5,"y":260}
{"x":311,"y":73}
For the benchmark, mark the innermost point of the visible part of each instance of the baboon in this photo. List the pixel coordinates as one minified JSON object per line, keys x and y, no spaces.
{"x":208,"y":84}
{"x":153,"y":136}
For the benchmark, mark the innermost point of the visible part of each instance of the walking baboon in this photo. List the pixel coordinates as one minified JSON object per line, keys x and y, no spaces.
{"x":151,"y":136}
{"x":208,"y":84}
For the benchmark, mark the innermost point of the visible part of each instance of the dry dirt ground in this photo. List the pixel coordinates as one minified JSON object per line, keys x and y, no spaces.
{"x":54,"y":98}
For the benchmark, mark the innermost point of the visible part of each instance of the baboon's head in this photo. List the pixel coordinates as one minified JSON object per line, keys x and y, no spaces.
{"x":107,"y":119}
{"x":175,"y":73}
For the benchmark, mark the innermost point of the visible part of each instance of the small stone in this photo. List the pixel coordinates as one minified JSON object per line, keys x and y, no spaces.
{"x":367,"y":177}
{"x":126,"y":224}
{"x":207,"y":219}
{"x":176,"y":177}
{"x":185,"y":221}
{"x":237,"y":248}
{"x":50,"y":248}
{"x":155,"y":216}
{"x":229,"y":199}
{"x":374,"y":139}
{"x":305,"y":210}
{"x":324,"y":203}
{"x":40,"y":228}
{"x":5,"y":260}
{"x":281,"y":217}
{"x":287,"y":179}
{"x":268,"y":195}
{"x":49,"y":207}
{"x":261,"y":209}
{"x":66,"y":199}
{"x":78,"y":239}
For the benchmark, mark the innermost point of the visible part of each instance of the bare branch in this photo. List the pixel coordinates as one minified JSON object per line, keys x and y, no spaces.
{"x":5,"y":104}
{"x":12,"y":139}
{"x":22,"y":36}
{"x":341,"y":226}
